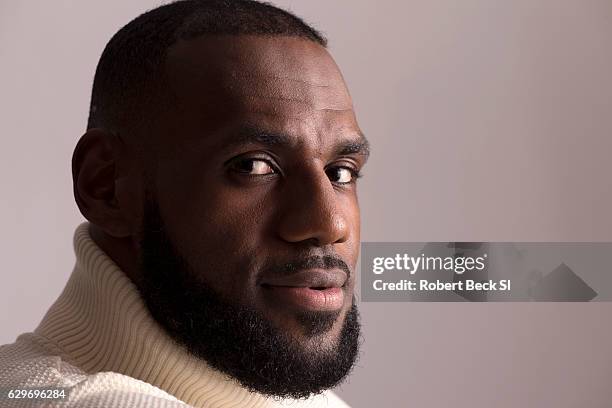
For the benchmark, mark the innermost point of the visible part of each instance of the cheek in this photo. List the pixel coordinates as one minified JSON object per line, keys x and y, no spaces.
{"x":217,"y":229}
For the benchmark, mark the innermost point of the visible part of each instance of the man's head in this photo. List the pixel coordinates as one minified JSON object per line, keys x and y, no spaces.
{"x":218,"y":171}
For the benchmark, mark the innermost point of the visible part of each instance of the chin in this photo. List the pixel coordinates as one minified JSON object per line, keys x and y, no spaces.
{"x":311,"y":328}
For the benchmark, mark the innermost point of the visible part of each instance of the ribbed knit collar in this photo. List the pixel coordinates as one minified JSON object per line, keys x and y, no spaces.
{"x":100,"y":323}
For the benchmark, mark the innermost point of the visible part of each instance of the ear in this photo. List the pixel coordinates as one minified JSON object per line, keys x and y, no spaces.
{"x":95,"y":180}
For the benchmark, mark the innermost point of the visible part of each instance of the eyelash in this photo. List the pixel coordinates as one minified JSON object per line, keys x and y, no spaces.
{"x":355,"y":174}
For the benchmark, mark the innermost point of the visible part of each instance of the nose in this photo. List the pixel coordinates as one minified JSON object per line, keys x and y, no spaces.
{"x":313,"y":211}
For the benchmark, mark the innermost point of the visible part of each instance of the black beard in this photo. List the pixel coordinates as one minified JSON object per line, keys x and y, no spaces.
{"x":234,"y":339}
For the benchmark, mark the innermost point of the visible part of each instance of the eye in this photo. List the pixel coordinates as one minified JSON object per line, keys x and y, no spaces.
{"x":342,"y":175}
{"x":253,"y":167}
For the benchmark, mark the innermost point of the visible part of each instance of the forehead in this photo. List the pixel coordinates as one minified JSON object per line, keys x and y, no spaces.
{"x":283,"y":83}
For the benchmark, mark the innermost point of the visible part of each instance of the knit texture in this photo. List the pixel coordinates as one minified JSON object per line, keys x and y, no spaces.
{"x":99,"y":341}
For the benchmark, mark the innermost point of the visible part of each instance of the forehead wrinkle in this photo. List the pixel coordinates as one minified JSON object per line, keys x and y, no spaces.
{"x":307,"y":105}
{"x":250,"y":75}
{"x":335,"y":109}
{"x":234,"y":71}
{"x":273,"y":84}
{"x":284,"y":88}
{"x":318,"y":122}
{"x":274,"y":92}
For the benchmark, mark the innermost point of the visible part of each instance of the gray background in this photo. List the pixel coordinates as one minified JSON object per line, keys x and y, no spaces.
{"x":490,"y":121}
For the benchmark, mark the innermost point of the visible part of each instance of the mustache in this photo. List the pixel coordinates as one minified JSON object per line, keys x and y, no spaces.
{"x":308,"y":262}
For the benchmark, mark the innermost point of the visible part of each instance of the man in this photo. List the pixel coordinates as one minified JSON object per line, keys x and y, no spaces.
{"x":217,"y":266}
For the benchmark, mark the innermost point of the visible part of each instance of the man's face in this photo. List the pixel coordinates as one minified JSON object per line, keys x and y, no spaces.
{"x":253,"y":200}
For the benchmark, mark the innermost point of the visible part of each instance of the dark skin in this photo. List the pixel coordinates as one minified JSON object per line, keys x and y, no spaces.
{"x":254,"y":163}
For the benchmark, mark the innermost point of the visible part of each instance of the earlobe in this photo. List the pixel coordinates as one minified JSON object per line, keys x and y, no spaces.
{"x":94,"y":173}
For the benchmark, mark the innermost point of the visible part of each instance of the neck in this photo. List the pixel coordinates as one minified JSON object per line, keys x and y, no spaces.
{"x":123,"y":251}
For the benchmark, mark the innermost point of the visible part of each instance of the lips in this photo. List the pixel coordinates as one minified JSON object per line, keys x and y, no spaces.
{"x":311,"y":290}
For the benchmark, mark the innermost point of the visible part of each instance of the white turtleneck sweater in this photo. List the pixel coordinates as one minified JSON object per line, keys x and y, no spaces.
{"x":99,"y":341}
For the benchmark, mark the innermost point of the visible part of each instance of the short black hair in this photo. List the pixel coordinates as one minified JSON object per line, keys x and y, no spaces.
{"x":129,"y":74}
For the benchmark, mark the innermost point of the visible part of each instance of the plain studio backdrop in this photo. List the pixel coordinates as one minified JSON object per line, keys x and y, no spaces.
{"x":489,"y":120}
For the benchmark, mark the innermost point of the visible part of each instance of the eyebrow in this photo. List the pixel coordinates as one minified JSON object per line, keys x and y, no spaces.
{"x":360,"y":146}
{"x":254,"y":135}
